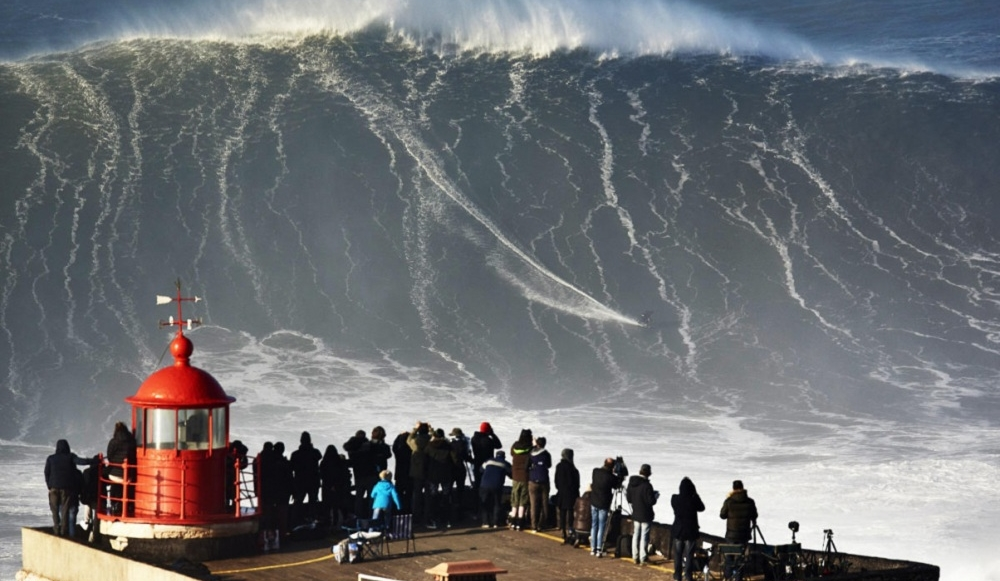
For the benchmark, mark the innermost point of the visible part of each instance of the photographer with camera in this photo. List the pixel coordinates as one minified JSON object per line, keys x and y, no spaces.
{"x":740,"y":512}
{"x":642,"y":497}
{"x":603,"y":484}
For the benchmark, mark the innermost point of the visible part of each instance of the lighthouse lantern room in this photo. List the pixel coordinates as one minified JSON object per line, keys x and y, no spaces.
{"x":182,"y":495}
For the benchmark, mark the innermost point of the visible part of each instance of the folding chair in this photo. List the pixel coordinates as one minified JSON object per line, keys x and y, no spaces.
{"x":401,"y":529}
{"x":371,"y":543}
{"x":733,"y":560}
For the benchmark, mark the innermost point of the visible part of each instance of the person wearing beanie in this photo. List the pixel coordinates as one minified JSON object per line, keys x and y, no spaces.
{"x":495,"y":474}
{"x":385,"y":500}
{"x":484,"y":443}
{"x":685,"y":530}
{"x":740,"y":513}
{"x":642,"y":497}
{"x":567,"y":481}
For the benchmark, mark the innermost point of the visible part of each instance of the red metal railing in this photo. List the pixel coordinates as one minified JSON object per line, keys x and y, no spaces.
{"x":116,"y":496}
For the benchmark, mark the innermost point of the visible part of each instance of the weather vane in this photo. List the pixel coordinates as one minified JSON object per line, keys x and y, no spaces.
{"x":180,"y":323}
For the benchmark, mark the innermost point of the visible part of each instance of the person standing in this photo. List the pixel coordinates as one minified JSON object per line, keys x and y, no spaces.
{"x":685,"y":530}
{"x":359,"y":454}
{"x":385,"y":501}
{"x":642,"y":497}
{"x":417,"y":441}
{"x":284,"y":485}
{"x":740,"y":513}
{"x":567,"y":481}
{"x":520,"y":456}
{"x":305,"y":473}
{"x":538,"y":484}
{"x":495,"y":474}
{"x":440,"y":467}
{"x":335,"y":476}
{"x":460,"y":469}
{"x":404,"y":485}
{"x":381,"y":452}
{"x":484,"y":444}
{"x":64,"y":482}
{"x":121,"y":453}
{"x":603,"y":483}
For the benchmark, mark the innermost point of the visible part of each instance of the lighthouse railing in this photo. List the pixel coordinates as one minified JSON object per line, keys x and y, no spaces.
{"x":116,"y":495}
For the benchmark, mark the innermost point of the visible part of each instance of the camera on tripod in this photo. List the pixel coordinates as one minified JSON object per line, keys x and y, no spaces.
{"x":619,"y":469}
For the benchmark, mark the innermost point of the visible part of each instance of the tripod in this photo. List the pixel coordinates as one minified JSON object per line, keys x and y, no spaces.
{"x":830,"y":561}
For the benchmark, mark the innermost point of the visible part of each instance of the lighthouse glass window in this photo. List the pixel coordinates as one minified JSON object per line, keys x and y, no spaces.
{"x":192,"y":425}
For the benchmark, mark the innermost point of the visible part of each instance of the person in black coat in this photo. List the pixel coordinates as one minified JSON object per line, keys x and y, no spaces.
{"x":685,"y":530}
{"x":121,"y":452}
{"x":335,"y":476}
{"x":359,"y":454}
{"x":567,"y":481}
{"x":64,"y":482}
{"x":603,"y":484}
{"x":642,"y":497}
{"x":740,"y":512}
{"x":404,"y":486}
{"x":284,"y":484}
{"x":484,"y":444}
{"x":305,"y":479}
{"x":440,"y":466}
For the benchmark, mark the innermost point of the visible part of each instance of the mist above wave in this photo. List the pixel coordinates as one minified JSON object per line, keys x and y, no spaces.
{"x":632,"y":27}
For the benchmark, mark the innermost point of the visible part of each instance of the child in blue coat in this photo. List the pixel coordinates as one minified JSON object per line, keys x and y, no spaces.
{"x":385,"y":500}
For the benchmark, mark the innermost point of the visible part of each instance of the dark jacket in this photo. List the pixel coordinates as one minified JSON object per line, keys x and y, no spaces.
{"x":639,"y":493}
{"x":91,"y":483}
{"x":740,"y":512}
{"x":60,"y":470}
{"x":381,"y":452}
{"x":305,"y":467}
{"x":567,"y":483}
{"x":359,"y":454}
{"x":538,"y":465}
{"x":484,"y":445}
{"x":440,"y":461}
{"x":335,"y":474}
{"x":602,"y":488}
{"x":495,"y":474}
{"x":403,"y":457}
{"x":520,"y":456}
{"x":460,"y":455}
{"x":686,"y":504}
{"x":121,"y":448}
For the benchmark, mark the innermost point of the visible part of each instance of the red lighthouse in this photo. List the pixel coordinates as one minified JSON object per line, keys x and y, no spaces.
{"x":182,"y":496}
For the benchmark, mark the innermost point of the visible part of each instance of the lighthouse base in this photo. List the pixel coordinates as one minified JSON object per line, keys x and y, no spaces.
{"x":160,"y":543}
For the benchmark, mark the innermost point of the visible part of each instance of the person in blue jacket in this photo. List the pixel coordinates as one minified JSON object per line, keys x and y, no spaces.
{"x":385,"y":500}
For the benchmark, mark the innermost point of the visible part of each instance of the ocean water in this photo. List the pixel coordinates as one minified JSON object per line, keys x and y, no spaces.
{"x":456,"y":212}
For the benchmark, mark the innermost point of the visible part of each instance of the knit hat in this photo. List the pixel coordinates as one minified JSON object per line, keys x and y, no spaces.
{"x":501,"y":455}
{"x":439,"y":433}
{"x":737,"y":485}
{"x":645,"y":470}
{"x":485,"y":427}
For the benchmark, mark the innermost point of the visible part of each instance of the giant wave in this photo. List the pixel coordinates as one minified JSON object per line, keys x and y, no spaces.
{"x":478,"y":231}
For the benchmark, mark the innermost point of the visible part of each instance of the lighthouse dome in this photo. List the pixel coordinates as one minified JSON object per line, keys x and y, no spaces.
{"x":181,"y":385}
